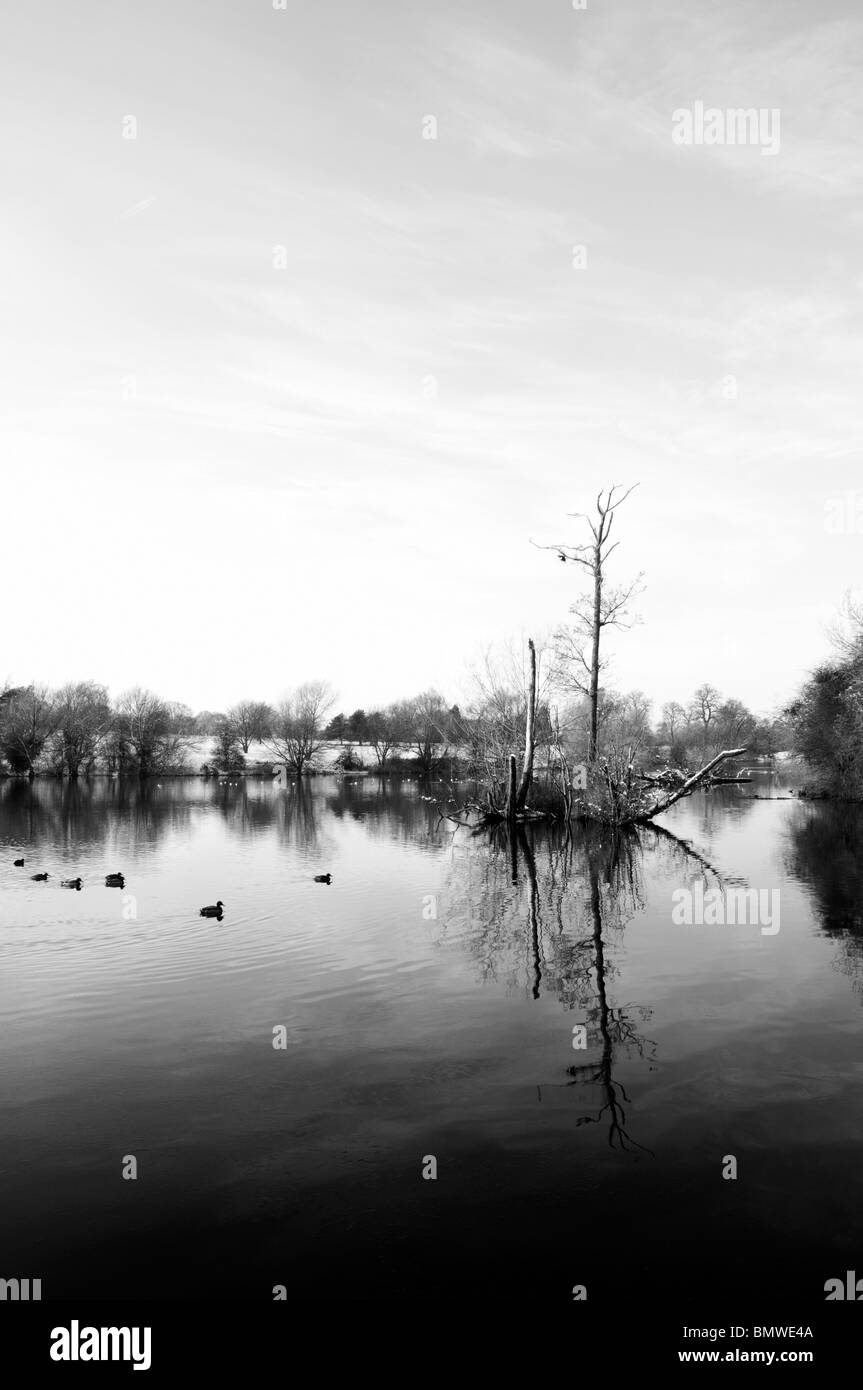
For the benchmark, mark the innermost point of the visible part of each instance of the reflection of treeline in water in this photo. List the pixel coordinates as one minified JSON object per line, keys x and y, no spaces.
{"x":108,"y":813}
{"x":119,"y":812}
{"x":825,"y":851}
{"x":302,"y":814}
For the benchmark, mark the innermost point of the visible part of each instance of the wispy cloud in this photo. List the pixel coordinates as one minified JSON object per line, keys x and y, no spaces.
{"x":430,"y":378}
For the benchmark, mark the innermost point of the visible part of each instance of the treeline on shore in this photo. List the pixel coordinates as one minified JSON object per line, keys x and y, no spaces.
{"x":542,"y":732}
{"x":79,"y":729}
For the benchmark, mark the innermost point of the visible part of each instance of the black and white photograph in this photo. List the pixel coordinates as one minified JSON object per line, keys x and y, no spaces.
{"x":431,"y":683}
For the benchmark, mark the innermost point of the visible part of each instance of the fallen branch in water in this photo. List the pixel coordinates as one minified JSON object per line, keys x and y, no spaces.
{"x":688,"y":786}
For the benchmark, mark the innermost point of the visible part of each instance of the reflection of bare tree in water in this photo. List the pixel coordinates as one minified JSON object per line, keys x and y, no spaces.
{"x":523,"y":900}
{"x":518,"y":841}
{"x":616,"y":871}
{"x":297,"y":821}
{"x":524,"y":897}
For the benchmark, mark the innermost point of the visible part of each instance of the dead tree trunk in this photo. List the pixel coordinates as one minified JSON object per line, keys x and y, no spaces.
{"x":529,"y":734}
{"x":606,"y":608}
{"x":594,"y":655}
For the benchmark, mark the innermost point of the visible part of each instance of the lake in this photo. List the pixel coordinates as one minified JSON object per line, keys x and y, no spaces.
{"x":426,"y":1006}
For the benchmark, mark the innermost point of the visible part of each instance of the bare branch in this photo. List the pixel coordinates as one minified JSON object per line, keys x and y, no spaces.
{"x":689,"y":785}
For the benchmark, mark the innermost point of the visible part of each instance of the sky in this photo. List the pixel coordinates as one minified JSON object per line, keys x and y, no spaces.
{"x":299,"y":353}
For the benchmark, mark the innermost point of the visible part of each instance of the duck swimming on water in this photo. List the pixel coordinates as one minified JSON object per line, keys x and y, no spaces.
{"x":71,"y":883}
{"x":214,"y":910}
{"x":39,"y":878}
{"x":19,"y":863}
{"x":114,"y":881}
{"x":323,"y":878}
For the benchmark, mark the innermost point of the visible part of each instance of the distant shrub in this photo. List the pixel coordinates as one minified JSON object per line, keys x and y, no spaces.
{"x":348,"y":761}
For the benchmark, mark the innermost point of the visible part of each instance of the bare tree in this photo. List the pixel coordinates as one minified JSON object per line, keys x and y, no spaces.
{"x":734,"y":723}
{"x":250,"y":721}
{"x":297,"y":730}
{"x":149,"y":733}
{"x":207,"y":721}
{"x":429,"y":721}
{"x":625,"y":732}
{"x":674,"y":720}
{"x":506,"y":721}
{"x":846,"y":632}
{"x":385,"y":730}
{"x":29,"y":721}
{"x":602,"y":607}
{"x":83,"y":722}
{"x":495,"y":720}
{"x":705,"y":703}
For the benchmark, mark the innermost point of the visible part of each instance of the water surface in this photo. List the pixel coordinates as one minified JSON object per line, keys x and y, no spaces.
{"x":428,"y":998}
